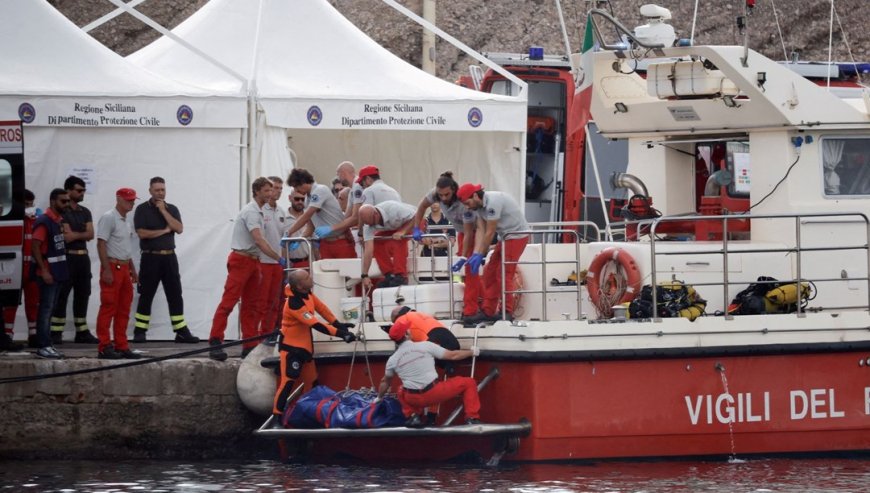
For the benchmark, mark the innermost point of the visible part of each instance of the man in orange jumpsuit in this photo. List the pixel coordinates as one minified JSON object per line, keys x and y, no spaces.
{"x":296,"y":347}
{"x":424,"y":327}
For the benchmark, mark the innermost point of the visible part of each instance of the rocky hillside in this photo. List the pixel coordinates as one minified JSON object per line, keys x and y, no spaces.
{"x":514,"y":25}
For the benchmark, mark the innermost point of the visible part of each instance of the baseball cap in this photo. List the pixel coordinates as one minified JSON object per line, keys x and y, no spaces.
{"x":126,"y":194}
{"x":399,"y":329}
{"x":466,"y":190}
{"x":367,"y":171}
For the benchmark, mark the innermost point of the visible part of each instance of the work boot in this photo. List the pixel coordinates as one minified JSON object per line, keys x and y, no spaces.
{"x":474,"y":319}
{"x":140,"y":335}
{"x":386,"y":282}
{"x":109,"y":353}
{"x":183,"y":335}
{"x":497,"y":316}
{"x":56,"y":338}
{"x":472,"y":421}
{"x":7,"y":344}
{"x":431,"y":418}
{"x":85,"y":337}
{"x":217,"y":354}
{"x":130,"y":354}
{"x":414,"y":421}
{"x":398,"y":280}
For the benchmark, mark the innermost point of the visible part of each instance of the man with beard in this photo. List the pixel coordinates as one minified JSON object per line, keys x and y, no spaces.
{"x":49,"y":267}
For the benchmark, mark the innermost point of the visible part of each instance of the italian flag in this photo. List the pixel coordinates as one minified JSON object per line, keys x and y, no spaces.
{"x":582,"y":68}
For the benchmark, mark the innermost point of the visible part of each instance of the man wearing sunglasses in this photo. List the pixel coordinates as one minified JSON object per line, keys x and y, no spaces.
{"x":51,"y":271}
{"x":299,"y":256}
{"x":78,"y":230}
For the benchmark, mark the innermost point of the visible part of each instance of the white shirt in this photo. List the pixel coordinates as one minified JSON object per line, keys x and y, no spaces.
{"x":501,"y":207}
{"x":394,"y":215}
{"x":274,"y":226}
{"x":379,"y":192}
{"x":249,"y":219}
{"x":414,"y":362}
{"x":328,"y":212}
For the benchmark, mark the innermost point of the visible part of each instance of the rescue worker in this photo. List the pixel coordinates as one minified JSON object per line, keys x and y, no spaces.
{"x":297,"y":257}
{"x":274,"y":225}
{"x":464,"y":221}
{"x":322,"y":209}
{"x":497,"y":212}
{"x":29,"y":287}
{"x":295,"y":347}
{"x":393,"y":220}
{"x":243,"y":271}
{"x":117,"y":277}
{"x":414,"y":363}
{"x":157,"y":222}
{"x":78,"y":229}
{"x":424,"y":327}
{"x":49,"y":267}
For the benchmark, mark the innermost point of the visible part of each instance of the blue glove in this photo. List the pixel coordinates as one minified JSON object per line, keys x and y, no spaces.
{"x":475,"y":261}
{"x":322,"y":231}
{"x":457,"y":266}
{"x":294,"y":245}
{"x":283,"y":262}
{"x":417,"y":234}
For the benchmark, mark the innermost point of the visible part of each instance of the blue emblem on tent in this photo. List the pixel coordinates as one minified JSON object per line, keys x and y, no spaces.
{"x":27,"y":112}
{"x":475,"y":117}
{"x":314,"y":116}
{"x":184,"y":115}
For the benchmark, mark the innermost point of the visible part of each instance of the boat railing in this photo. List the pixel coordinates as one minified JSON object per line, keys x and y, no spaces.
{"x":285,"y":246}
{"x":549,"y":233}
{"x":798,"y":249}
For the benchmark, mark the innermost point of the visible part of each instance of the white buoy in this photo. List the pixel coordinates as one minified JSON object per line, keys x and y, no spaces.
{"x":256,"y":385}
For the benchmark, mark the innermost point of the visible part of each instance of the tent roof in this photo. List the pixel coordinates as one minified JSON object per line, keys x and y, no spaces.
{"x":299,"y":51}
{"x":46,"y":54}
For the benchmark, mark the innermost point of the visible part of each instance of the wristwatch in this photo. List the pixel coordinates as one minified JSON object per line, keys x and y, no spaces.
{"x":363,"y":276}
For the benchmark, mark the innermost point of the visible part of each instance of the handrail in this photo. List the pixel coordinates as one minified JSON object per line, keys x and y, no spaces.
{"x":800,"y":220}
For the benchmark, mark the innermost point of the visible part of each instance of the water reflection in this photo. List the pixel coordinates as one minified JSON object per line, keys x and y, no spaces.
{"x":821,"y":475}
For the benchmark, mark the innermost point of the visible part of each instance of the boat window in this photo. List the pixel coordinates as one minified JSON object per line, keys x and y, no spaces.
{"x":505,"y":88}
{"x":732,"y":156}
{"x":846,"y":166}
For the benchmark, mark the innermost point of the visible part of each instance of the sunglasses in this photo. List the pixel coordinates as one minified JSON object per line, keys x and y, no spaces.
{"x":298,"y":199}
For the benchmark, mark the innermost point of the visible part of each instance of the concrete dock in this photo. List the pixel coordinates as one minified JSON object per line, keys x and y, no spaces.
{"x":179,"y":408}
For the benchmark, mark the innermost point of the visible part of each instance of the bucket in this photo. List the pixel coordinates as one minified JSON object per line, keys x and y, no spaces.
{"x":350,"y":309}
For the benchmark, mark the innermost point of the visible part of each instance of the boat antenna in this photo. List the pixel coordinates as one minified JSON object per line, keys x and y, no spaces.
{"x":779,"y":30}
{"x":564,"y":29}
{"x":848,"y":46}
{"x":694,"y":19}
{"x":830,"y":43}
{"x":748,"y":5}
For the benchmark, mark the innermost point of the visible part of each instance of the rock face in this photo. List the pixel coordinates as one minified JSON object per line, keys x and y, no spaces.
{"x":513,"y":26}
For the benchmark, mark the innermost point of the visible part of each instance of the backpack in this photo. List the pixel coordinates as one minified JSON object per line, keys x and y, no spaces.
{"x":674,"y":299}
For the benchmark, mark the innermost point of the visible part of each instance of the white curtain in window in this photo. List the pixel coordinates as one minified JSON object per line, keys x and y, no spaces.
{"x":832,"y":152}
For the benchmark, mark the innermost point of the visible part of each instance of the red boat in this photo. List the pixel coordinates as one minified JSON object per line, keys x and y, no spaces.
{"x":751,"y":333}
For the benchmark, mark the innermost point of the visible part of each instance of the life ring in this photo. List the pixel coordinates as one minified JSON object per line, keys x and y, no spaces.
{"x":604,"y":292}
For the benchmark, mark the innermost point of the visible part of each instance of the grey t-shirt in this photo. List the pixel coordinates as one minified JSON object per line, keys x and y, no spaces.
{"x":354,"y":197}
{"x":249,"y":219}
{"x":328,"y":212}
{"x":274,"y":226}
{"x":414,"y":362}
{"x":394,"y":214}
{"x":117,"y":232}
{"x":379,"y":192}
{"x":501,"y":207}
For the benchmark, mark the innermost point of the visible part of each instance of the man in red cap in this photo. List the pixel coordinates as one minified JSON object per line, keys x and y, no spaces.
{"x":414,"y":363}
{"x":117,"y":276}
{"x":497,"y":212}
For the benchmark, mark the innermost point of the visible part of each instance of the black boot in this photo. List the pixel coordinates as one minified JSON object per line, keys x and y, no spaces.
{"x":183,"y":335}
{"x":7,"y":344}
{"x":140,"y":335}
{"x":85,"y":337}
{"x":217,"y":354}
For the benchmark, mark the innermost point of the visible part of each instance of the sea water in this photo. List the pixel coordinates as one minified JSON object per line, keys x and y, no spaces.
{"x":750,"y":475}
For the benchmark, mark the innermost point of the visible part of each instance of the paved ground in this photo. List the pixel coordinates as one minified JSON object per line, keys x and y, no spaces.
{"x":147,"y":349}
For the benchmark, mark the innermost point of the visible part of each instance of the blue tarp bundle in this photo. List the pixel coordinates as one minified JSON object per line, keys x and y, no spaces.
{"x":322,"y":407}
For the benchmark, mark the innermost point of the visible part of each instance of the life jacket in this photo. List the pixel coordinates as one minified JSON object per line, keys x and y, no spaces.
{"x":55,"y":254}
{"x":674,"y":299}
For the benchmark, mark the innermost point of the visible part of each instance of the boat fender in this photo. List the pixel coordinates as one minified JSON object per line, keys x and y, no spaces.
{"x":255,"y":384}
{"x":627,"y":269}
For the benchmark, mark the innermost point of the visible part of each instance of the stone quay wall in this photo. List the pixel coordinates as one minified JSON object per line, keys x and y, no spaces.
{"x":176,"y":409}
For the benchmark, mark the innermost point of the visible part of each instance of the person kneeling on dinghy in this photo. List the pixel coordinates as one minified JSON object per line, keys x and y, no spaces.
{"x":295,"y":345}
{"x":424,"y":327}
{"x":414,"y":363}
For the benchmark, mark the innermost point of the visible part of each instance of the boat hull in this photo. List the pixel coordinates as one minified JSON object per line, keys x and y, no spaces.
{"x":695,"y":404}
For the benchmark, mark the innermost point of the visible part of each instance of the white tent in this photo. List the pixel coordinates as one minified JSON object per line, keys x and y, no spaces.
{"x":88,"y":111}
{"x":318,"y":81}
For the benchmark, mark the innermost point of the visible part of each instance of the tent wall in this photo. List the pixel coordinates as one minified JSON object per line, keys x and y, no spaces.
{"x":201,"y":169}
{"x":411,"y":161}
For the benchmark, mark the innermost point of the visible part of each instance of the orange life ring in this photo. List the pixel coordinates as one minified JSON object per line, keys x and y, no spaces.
{"x":629,"y":270}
